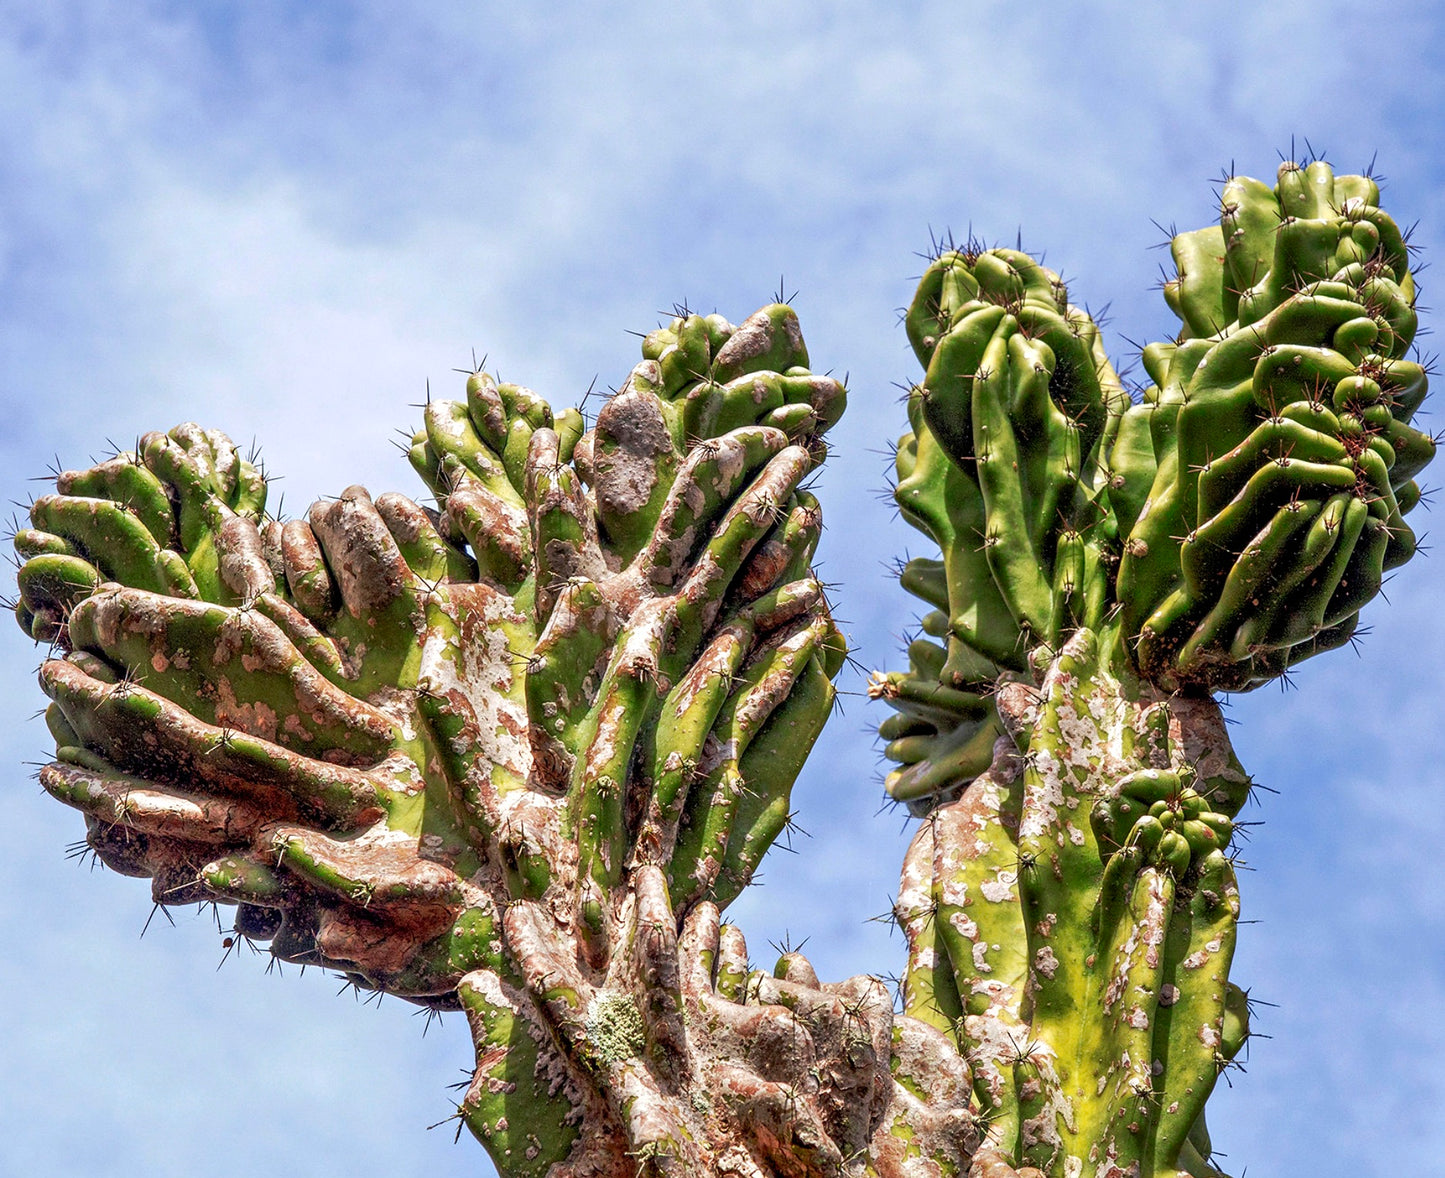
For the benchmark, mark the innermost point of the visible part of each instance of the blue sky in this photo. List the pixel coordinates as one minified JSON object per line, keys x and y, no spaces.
{"x":284,"y":219}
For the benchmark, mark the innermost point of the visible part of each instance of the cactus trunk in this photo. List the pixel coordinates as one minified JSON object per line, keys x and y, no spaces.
{"x":1071,"y":918}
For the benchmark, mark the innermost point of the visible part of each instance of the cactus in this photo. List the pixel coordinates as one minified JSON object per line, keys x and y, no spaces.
{"x":1106,"y":566}
{"x":484,"y":756}
{"x":514,"y":755}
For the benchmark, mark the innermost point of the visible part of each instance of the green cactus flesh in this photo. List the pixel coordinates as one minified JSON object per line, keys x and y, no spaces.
{"x":1280,"y":460}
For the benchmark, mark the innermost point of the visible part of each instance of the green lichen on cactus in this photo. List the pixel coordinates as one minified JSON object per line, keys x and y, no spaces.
{"x":1106,"y":565}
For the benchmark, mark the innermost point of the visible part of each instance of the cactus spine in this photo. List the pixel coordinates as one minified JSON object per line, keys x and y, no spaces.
{"x":515,"y":754}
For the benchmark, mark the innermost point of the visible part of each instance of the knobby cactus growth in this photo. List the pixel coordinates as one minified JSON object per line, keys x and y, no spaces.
{"x":515,"y":754}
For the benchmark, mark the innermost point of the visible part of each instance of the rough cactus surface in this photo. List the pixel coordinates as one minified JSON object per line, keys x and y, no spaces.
{"x":514,"y":754}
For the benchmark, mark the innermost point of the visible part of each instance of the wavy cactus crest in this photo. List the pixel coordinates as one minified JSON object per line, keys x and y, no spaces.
{"x":1005,"y":471}
{"x":1263,"y":482}
{"x":1106,"y":565}
{"x":513,"y":755}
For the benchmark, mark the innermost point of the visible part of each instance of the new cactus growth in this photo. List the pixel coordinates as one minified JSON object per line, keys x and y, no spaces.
{"x":1279,"y":444}
{"x":515,"y":754}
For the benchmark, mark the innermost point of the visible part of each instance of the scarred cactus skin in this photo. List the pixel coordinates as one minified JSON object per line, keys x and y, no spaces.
{"x":1106,"y":566}
{"x":1071,"y":918}
{"x":512,"y":755}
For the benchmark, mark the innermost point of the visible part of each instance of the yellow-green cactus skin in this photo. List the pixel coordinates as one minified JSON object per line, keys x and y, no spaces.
{"x":1106,"y":564}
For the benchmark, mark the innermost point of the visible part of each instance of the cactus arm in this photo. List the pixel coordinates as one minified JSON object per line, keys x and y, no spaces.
{"x":1077,"y":880}
{"x":510,"y":756}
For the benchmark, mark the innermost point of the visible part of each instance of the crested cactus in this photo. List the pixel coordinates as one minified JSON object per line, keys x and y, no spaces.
{"x":1106,"y":565}
{"x":484,"y":756}
{"x":1274,"y":453}
{"x":515,"y":754}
